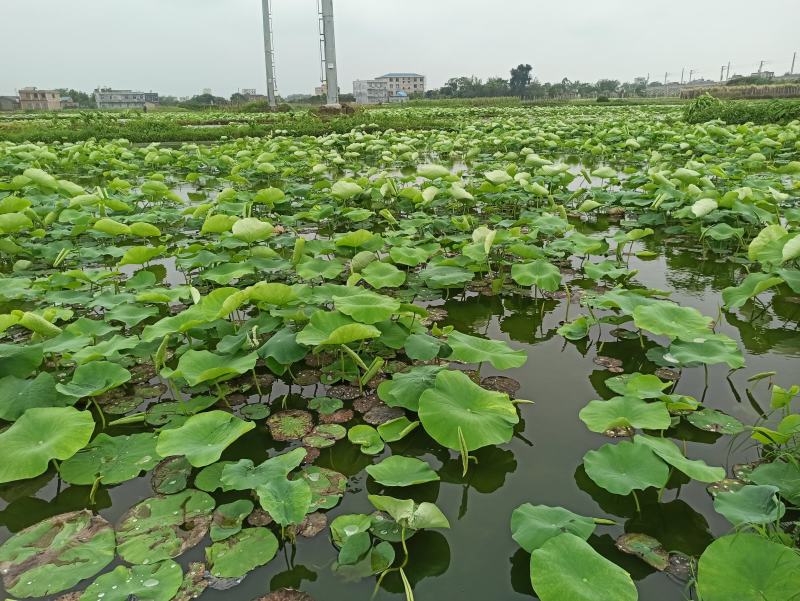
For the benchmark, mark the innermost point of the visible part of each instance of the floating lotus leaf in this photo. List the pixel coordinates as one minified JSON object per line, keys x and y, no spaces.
{"x":457,"y":405}
{"x":203,"y":437}
{"x":238,"y":555}
{"x":540,"y":273}
{"x":227,"y":519}
{"x":293,"y":424}
{"x":209,"y":478}
{"x":325,"y":405}
{"x":367,"y":437}
{"x":94,"y":379}
{"x":534,"y":525}
{"x":471,"y":349}
{"x":402,"y":471}
{"x":111,"y":460}
{"x":56,"y":554}
{"x":624,"y":467}
{"x":709,"y":349}
{"x":40,"y":436}
{"x":566,"y":567}
{"x":646,"y":548}
{"x":324,"y":435}
{"x":327,"y":486}
{"x":409,"y":514}
{"x":445,"y":276}
{"x":748,"y":567}
{"x":750,"y":505}
{"x":625,"y":412}
{"x":161,"y":528}
{"x":171,"y":475}
{"x":156,"y":582}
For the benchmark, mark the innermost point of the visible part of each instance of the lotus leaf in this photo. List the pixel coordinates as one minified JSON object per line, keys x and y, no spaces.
{"x":203,"y":437}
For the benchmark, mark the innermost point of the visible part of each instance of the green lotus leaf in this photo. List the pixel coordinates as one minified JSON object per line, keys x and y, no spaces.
{"x":130,"y":314}
{"x":310,"y":269}
{"x":668,"y":319}
{"x":642,"y":386}
{"x":396,"y":429}
{"x":753,"y":285}
{"x":217,"y":224}
{"x":111,"y":460}
{"x":409,"y":514}
{"x":327,"y":487}
{"x":352,"y":332}
{"x":445,"y":276}
{"x":320,"y":327}
{"x":238,"y":555}
{"x":709,"y":349}
{"x":367,"y":307}
{"x":430,"y":171}
{"x":748,"y":567}
{"x":458,"y":408}
{"x":703,"y":207}
{"x":161,"y":528}
{"x":759,"y":248}
{"x":625,"y":412}
{"x":197,"y":367}
{"x":646,"y":548}
{"x":344,"y":190}
{"x":782,"y":474}
{"x":252,"y":230}
{"x":203,"y":437}
{"x":715,"y":421}
{"x":111,"y":227}
{"x":539,"y":273}
{"x":95,"y":378}
{"x":171,"y":476}
{"x":402,"y":471}
{"x":534,"y":525}
{"x":139,"y":255}
{"x":18,"y":360}
{"x":227,"y":519}
{"x":56,"y":554}
{"x":566,"y":567}
{"x":155,"y":582}
{"x":18,"y":396}
{"x":404,"y":389}
{"x":577,"y":329}
{"x":669,"y":452}
{"x":367,"y":438}
{"x":471,"y":349}
{"x":750,"y":505}
{"x":39,"y":436}
{"x":624,"y":467}
{"x":383,"y":275}
{"x":413,"y":256}
{"x":282,"y":350}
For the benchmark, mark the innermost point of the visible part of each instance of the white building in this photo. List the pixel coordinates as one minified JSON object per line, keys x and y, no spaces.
{"x":108,"y":99}
{"x":410,"y":83}
{"x":370,"y":91}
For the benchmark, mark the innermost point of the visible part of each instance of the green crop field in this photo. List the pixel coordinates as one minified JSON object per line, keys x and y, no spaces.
{"x":477,"y":352}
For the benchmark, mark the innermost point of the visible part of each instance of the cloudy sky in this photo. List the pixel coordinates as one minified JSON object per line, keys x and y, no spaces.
{"x":181,"y":46}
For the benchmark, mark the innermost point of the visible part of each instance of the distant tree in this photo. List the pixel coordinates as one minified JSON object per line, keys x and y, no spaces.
{"x":520,"y":80}
{"x":168,"y":100}
{"x":607,"y":87}
{"x":83,"y":99}
{"x":497,"y":86}
{"x":237,"y":98}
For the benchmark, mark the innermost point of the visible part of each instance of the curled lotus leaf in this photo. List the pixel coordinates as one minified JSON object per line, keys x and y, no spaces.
{"x":203,"y":437}
{"x":327,"y":486}
{"x":534,"y":525}
{"x":646,"y":548}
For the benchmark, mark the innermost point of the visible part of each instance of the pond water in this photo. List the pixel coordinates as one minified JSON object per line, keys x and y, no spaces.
{"x":476,"y":559}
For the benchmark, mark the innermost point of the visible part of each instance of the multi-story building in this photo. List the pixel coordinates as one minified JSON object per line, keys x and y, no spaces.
{"x":9,"y":103}
{"x":108,"y":99}
{"x":34,"y":99}
{"x":410,"y":83}
{"x":371,"y":91}
{"x":321,"y":90}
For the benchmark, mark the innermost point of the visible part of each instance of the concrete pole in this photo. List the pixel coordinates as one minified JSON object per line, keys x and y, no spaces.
{"x":794,"y":59}
{"x":269,"y":56}
{"x":329,"y":35}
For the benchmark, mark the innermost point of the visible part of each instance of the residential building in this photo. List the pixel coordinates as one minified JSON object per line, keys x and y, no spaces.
{"x":108,"y":99}
{"x":248,"y":92}
{"x":410,"y":83}
{"x":371,"y":91}
{"x":398,"y":98}
{"x":9,"y":103}
{"x":321,"y":90}
{"x":34,"y":99}
{"x":68,"y":103}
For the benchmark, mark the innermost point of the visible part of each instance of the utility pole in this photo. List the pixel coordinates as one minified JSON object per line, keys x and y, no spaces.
{"x":269,"y":55}
{"x":721,"y":72}
{"x":691,"y":73}
{"x":794,"y":59}
{"x":728,"y":72}
{"x":665,"y":77}
{"x":760,"y":67}
{"x":329,"y":44}
{"x":683,"y":70}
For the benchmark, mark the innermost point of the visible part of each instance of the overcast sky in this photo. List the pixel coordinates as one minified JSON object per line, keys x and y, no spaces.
{"x":181,"y":46}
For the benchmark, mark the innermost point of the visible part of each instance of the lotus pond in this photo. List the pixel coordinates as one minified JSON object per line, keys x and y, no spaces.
{"x":546,"y":354}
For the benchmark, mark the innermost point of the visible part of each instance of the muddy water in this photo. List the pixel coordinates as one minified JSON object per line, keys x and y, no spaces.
{"x":476,"y":560}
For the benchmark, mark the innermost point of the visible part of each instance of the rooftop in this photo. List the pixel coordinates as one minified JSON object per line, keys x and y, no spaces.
{"x":401,"y":75}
